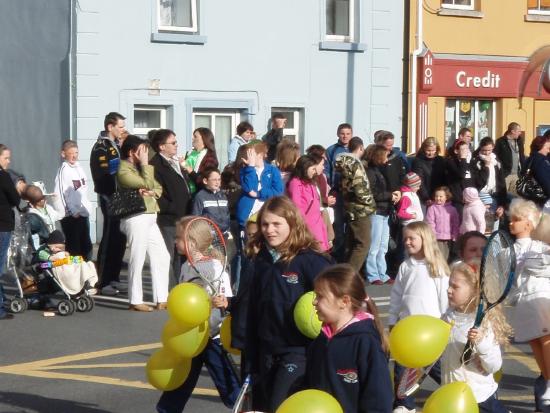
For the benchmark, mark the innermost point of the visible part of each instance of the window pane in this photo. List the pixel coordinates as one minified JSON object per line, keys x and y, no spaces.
{"x":176,"y":13}
{"x":338,"y":17}
{"x":466,"y":115}
{"x":147,"y":119}
{"x":485,"y":125}
{"x":458,"y":2}
{"x":203,"y":121}
{"x":450,"y":123}
{"x":223,"y":137}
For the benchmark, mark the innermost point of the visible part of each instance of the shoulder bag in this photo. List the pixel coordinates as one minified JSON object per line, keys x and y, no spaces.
{"x":527,"y":187}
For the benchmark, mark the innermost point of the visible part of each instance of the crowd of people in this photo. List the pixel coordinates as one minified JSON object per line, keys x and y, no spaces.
{"x":332,"y":221}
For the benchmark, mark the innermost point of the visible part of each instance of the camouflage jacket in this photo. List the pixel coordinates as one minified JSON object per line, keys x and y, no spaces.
{"x":355,"y":188}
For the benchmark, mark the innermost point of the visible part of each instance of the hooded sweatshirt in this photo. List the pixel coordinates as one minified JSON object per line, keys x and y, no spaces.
{"x":473,"y":214}
{"x":351,"y":365}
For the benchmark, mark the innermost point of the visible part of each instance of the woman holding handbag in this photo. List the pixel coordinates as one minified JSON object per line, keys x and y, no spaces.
{"x":538,"y":165}
{"x":141,"y":229}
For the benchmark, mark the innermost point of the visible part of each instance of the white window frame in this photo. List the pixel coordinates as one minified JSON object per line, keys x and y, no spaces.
{"x":352,"y":21}
{"x":213,"y":112}
{"x":192,"y":29}
{"x":296,"y":130}
{"x":150,"y":108}
{"x":537,"y":10}
{"x":475,"y":136}
{"x":471,"y":6}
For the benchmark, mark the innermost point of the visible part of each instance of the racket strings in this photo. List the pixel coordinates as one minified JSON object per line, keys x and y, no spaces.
{"x":496,"y":269}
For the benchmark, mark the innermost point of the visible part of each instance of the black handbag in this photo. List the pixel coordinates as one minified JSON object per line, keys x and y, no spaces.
{"x":527,"y":187}
{"x":124,"y":203}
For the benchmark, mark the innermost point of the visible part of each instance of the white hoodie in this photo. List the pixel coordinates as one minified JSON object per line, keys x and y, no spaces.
{"x":71,"y":184}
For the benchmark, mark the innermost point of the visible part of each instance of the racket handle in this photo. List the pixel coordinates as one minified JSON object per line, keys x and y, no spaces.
{"x":467,"y":353}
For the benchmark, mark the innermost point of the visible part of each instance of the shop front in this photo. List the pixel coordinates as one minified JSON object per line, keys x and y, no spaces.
{"x":478,"y":93}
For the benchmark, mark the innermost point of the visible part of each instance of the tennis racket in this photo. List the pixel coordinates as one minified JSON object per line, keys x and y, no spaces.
{"x":410,"y":381}
{"x":206,"y":253}
{"x":496,"y":276}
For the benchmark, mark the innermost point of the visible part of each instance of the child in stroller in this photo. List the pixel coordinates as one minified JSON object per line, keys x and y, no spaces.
{"x":60,"y":277}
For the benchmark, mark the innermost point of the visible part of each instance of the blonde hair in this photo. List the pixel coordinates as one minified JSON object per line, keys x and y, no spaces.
{"x":528,"y":210}
{"x":432,"y":254}
{"x":542,"y":231}
{"x":287,"y":154}
{"x":494,"y":319}
{"x":199,"y":234}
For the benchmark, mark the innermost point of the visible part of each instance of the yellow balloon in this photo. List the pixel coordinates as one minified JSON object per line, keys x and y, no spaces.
{"x":305,"y":316}
{"x":188,"y":304}
{"x":310,"y":401}
{"x":454,"y":397}
{"x":225,"y":336}
{"x":166,"y":370}
{"x":419,"y":340}
{"x":186,"y":342}
{"x":498,"y":376}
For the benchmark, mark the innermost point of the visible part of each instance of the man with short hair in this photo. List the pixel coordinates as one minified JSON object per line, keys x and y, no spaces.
{"x":275,"y":135}
{"x":104,"y":164}
{"x":464,"y":134}
{"x":175,"y":200}
{"x":245,"y":131}
{"x":344,"y":133}
{"x":510,"y":152}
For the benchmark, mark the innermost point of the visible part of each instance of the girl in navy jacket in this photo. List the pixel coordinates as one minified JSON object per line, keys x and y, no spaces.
{"x":259,"y":182}
{"x":348,"y":358}
{"x":287,"y":262}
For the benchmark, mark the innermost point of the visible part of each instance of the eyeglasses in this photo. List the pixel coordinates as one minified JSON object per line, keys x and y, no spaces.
{"x":172,"y":143}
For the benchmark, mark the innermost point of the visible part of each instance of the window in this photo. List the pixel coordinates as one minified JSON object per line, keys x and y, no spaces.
{"x":294,"y":129}
{"x":478,"y":115}
{"x":147,"y":118}
{"x":340,"y":20}
{"x":458,"y":4}
{"x":177,"y":15}
{"x":538,"y":6}
{"x":223,"y":124}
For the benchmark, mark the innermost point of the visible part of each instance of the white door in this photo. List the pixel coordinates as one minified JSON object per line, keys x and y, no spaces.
{"x":222,"y":124}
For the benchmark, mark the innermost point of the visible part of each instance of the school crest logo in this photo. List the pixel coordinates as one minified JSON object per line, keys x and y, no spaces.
{"x":291,"y":367}
{"x":348,"y":375}
{"x":290,"y":277}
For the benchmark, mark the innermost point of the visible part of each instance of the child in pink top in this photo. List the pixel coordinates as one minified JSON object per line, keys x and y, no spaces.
{"x":410,"y":209}
{"x":473,"y":214}
{"x":443,"y":217}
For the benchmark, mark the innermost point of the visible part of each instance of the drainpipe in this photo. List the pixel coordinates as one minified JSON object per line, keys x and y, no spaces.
{"x":414,"y":75}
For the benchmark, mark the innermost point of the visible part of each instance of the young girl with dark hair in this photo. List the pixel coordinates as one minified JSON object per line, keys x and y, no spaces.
{"x":303,"y":192}
{"x":287,"y":259}
{"x":349,"y":357}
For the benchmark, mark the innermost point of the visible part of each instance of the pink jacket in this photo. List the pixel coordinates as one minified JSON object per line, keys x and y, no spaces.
{"x":444,"y":220}
{"x":306,"y":198}
{"x":473,"y":214}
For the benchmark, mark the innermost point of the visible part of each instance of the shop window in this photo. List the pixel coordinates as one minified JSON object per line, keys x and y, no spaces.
{"x":177,"y":15}
{"x":147,"y":118}
{"x":477,"y":115}
{"x":458,"y":4}
{"x":538,"y":6}
{"x":340,"y":20}
{"x":223,"y":124}
{"x":294,"y":128}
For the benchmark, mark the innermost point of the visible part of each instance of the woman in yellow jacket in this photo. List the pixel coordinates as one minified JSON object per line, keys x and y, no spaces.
{"x":142,"y":232}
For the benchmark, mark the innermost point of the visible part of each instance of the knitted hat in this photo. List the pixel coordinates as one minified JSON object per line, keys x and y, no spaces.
{"x":486,"y":198}
{"x":412,"y":180}
{"x":56,"y":237}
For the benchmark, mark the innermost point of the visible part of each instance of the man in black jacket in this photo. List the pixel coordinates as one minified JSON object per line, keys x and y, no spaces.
{"x":104,"y":163}
{"x":510,"y":152}
{"x":275,"y":135}
{"x":174,"y":202}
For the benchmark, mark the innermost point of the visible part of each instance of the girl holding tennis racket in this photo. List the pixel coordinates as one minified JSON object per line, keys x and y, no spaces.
{"x":531,"y":314}
{"x":486,"y":359}
{"x":287,"y":261}
{"x":349,"y":358}
{"x":202,"y":243}
{"x":420,"y":288}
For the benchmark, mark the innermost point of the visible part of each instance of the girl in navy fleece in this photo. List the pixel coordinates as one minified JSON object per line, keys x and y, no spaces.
{"x":349,"y":358}
{"x":286,"y":260}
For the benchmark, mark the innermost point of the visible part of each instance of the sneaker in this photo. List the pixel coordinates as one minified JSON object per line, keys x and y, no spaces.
{"x":92,"y":291}
{"x":109,"y":290}
{"x":403,"y":409}
{"x":121,"y":287}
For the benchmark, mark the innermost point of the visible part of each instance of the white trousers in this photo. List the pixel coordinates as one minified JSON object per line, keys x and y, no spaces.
{"x":144,"y":238}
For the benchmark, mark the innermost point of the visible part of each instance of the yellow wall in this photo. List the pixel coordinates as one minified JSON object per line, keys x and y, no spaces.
{"x":436,"y":120}
{"x":542,"y":111}
{"x":502,"y":31}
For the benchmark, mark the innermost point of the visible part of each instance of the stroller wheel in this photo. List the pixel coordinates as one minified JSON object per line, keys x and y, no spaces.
{"x":90,"y":303}
{"x":84,"y":304}
{"x":18,"y":305}
{"x":65,"y":307}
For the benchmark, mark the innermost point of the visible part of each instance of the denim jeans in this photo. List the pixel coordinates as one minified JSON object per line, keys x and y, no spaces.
{"x":492,"y":405}
{"x":376,"y":259}
{"x":5,"y":238}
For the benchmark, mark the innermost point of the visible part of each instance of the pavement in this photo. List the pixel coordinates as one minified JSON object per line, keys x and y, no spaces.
{"x":94,"y":362}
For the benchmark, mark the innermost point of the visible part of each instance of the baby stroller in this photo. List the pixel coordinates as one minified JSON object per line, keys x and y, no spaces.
{"x":63,"y":282}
